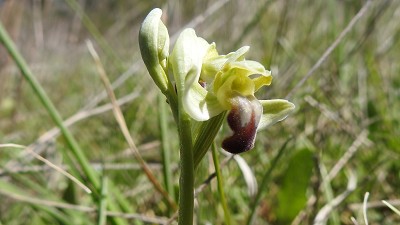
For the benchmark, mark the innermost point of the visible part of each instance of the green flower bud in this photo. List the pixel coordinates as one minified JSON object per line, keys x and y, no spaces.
{"x":154,"y":46}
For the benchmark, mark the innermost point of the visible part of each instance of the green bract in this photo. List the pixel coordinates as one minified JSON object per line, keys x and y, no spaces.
{"x":208,"y":83}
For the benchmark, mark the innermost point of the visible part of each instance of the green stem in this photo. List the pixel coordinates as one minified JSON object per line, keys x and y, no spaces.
{"x":186,"y":181}
{"x":221,"y":193}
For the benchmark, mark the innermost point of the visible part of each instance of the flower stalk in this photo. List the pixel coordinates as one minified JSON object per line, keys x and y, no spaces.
{"x":186,"y":181}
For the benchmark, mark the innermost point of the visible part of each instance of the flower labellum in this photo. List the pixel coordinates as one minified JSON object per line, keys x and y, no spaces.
{"x":243,"y":119}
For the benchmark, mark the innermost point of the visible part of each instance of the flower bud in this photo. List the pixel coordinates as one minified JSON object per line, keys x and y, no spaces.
{"x":154,"y":46}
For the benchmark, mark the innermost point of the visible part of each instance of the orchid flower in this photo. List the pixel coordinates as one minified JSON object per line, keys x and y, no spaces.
{"x":211,"y":83}
{"x":208,"y":84}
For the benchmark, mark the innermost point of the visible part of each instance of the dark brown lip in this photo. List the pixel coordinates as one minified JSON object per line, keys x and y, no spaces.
{"x":243,"y":138}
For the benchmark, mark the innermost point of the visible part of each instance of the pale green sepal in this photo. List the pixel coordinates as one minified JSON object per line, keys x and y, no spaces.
{"x":186,"y":60}
{"x":274,"y":111}
{"x":154,"y":46}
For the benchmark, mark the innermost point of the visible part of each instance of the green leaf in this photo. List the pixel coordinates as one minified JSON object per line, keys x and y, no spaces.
{"x":292,"y":194}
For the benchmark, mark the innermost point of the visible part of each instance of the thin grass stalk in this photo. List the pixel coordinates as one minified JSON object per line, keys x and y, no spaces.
{"x":77,"y":152}
{"x":265,"y":181}
{"x":165,"y":147}
{"x":329,"y":195}
{"x":391,"y":207}
{"x":221,"y":193}
{"x":365,"y":207}
{"x":102,"y":212}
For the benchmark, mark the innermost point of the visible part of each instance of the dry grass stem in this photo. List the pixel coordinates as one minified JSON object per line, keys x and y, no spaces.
{"x":365,"y":208}
{"x":391,"y":207}
{"x":354,"y":221}
{"x":375,"y":204}
{"x":323,"y":214}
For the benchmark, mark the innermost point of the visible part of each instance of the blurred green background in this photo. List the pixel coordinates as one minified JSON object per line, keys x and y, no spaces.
{"x":345,"y":128}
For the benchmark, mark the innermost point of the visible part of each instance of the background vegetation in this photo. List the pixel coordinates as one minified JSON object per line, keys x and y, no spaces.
{"x":342,"y":141}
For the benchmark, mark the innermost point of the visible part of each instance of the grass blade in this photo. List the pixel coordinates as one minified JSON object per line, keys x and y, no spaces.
{"x":391,"y":207}
{"x":221,"y":193}
{"x":165,"y":147}
{"x":102,"y":216}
